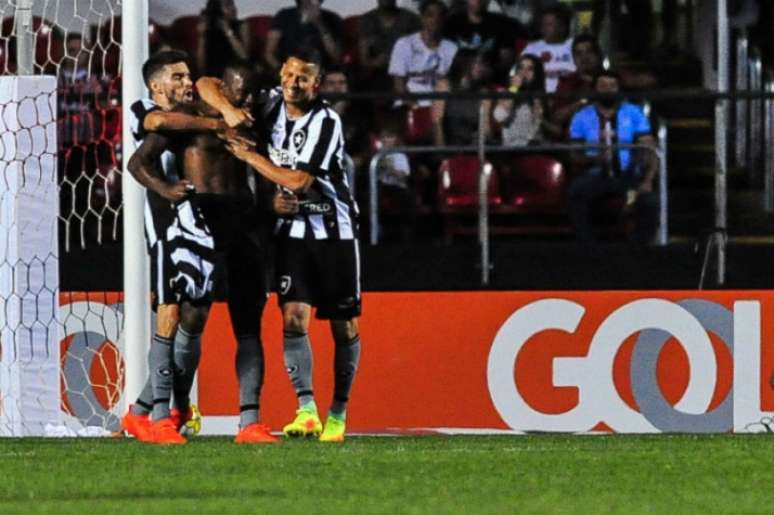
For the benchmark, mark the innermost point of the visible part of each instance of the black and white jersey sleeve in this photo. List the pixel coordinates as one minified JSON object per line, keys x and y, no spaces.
{"x":314,"y":144}
{"x":158,"y":211}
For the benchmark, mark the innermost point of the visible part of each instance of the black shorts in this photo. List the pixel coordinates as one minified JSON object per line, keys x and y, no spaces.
{"x":241,"y":272}
{"x":231,"y":261}
{"x":322,"y":273}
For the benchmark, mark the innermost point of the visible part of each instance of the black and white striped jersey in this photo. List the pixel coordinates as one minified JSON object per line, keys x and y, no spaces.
{"x":179,"y":238}
{"x":314,"y":144}
{"x":158,"y":212}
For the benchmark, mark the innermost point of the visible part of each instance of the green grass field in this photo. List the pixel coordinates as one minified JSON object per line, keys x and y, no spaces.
{"x":432,"y":474}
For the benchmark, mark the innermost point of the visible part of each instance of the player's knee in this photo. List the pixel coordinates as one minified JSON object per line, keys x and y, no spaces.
{"x":167,"y":319}
{"x":345,"y":331}
{"x":295,"y":318}
{"x":193,"y":318}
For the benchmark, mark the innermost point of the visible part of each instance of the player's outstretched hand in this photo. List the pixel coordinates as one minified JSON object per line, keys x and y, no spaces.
{"x":241,"y":147}
{"x":178,"y":191}
{"x":285,"y":203}
{"x":238,"y":118}
{"x":228,"y":134}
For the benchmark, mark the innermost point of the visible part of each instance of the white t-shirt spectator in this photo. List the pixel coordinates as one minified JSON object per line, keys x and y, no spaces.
{"x":557,"y":60}
{"x":420,"y":65}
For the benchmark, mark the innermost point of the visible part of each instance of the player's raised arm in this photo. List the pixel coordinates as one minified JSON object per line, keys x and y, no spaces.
{"x":178,"y":121}
{"x":211,"y":91}
{"x":294,"y":180}
{"x":143,"y":167}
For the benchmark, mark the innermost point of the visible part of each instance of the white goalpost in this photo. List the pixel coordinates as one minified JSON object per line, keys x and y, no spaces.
{"x":71,"y":359}
{"x":134,"y":27}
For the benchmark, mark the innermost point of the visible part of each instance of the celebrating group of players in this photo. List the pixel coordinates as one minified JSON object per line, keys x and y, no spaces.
{"x":286,"y":218}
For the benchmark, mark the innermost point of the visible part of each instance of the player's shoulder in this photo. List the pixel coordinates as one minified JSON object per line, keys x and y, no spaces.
{"x":144,"y":105}
{"x":325,"y":111}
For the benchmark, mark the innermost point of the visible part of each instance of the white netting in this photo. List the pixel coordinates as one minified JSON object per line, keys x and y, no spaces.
{"x":75,"y":162}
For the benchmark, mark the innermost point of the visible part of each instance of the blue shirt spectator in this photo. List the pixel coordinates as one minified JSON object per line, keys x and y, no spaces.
{"x":627,"y":126}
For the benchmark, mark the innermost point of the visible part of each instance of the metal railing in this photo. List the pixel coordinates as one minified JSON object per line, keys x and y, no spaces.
{"x":662,"y":236}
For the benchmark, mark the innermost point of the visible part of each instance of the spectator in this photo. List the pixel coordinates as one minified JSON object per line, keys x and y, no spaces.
{"x":555,"y":49}
{"x":305,"y":28}
{"x":622,"y":173}
{"x":420,"y":59}
{"x":223,"y":39}
{"x":492,"y":34}
{"x":522,"y":120}
{"x":379,"y":29}
{"x":588,"y":62}
{"x":456,"y":121}
{"x":353,"y":120}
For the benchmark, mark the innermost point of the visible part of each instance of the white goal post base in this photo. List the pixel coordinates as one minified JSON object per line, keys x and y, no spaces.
{"x":29,"y":265}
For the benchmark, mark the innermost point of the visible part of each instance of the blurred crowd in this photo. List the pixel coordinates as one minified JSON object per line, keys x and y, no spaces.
{"x":525,"y":47}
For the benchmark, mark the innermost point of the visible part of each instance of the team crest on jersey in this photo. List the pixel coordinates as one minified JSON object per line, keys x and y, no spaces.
{"x":284,"y":284}
{"x":298,"y":138}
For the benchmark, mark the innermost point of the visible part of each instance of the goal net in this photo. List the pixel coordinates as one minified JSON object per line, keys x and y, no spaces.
{"x":61,"y":316}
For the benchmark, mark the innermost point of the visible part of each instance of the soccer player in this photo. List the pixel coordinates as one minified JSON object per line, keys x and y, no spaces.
{"x":222,"y":219}
{"x":169,"y":80}
{"x":318,"y":260}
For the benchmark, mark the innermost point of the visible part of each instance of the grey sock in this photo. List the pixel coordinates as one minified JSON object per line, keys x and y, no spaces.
{"x":345,"y":361}
{"x":162,"y":376}
{"x":298,"y":363}
{"x":249,"y":367}
{"x":144,"y":403}
{"x":186,"y":354}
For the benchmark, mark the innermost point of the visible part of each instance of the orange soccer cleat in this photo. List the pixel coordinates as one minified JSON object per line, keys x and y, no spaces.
{"x":255,"y":433}
{"x":139,"y":426}
{"x":164,"y":432}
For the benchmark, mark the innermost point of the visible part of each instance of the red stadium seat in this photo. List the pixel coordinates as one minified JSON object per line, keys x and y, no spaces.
{"x":49,"y":43}
{"x":419,"y":125}
{"x":259,"y":27}
{"x":534,"y":184}
{"x":458,"y":184}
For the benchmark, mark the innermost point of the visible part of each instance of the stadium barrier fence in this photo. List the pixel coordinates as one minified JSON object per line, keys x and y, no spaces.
{"x":483,"y":204}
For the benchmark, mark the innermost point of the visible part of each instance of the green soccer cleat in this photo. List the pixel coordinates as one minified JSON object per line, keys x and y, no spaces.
{"x":306,"y":423}
{"x":334,"y":430}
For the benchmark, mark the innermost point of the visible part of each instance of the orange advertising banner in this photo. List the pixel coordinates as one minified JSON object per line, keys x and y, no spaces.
{"x":427,"y":360}
{"x":623,"y":361}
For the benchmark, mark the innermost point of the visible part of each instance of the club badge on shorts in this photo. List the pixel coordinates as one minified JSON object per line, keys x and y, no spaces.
{"x":284,"y":284}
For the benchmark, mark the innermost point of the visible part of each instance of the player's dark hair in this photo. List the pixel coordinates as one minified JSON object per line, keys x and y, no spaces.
{"x":587,"y":38}
{"x":308,"y":55}
{"x":426,"y":4}
{"x":158,"y":61}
